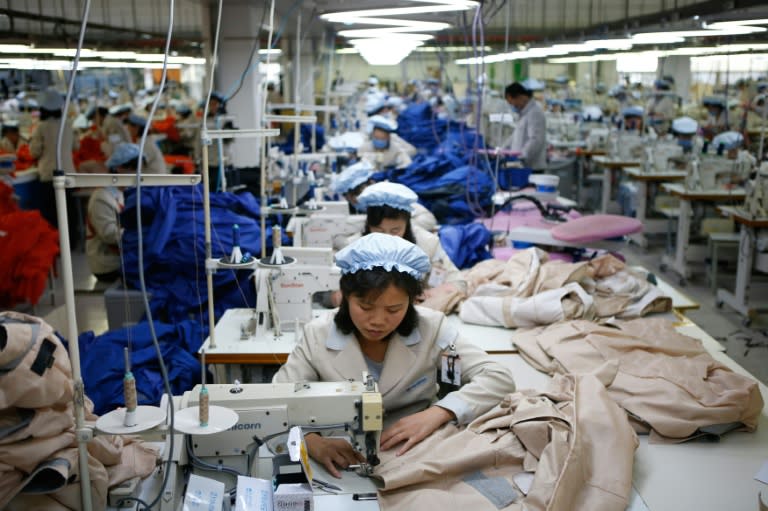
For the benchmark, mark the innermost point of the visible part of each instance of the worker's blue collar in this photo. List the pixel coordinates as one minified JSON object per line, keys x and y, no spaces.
{"x":338,"y":341}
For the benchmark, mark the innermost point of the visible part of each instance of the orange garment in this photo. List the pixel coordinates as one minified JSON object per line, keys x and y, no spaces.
{"x":167,"y":126}
{"x":90,"y":148}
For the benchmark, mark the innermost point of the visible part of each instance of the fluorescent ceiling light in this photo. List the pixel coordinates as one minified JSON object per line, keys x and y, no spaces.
{"x":385,"y":52}
{"x":346,"y":16}
{"x":610,"y":44}
{"x":661,"y":38}
{"x":274,"y":51}
{"x":343,"y":51}
{"x":381,"y":33}
{"x":436,"y":49}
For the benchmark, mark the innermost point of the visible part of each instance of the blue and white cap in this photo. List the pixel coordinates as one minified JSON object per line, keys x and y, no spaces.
{"x":52,"y":100}
{"x":120,"y":109}
{"x":685,"y":126}
{"x":123,"y":154}
{"x":714,"y":101}
{"x":591,"y":113}
{"x":382,"y":123}
{"x":387,"y":194}
{"x":728,"y":140}
{"x":632,"y":111}
{"x":137,"y":120}
{"x":374,"y":104}
{"x":533,"y":84}
{"x":378,"y":250}
{"x":353,"y":176}
{"x":349,"y":141}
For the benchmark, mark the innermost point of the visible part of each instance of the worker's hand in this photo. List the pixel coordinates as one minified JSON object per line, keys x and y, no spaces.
{"x":414,"y":428}
{"x":332,"y":452}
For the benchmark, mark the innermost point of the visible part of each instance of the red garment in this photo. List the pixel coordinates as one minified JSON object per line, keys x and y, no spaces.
{"x":90,"y":149}
{"x":167,"y":126}
{"x":24,"y":158}
{"x":7,"y":202}
{"x":28,"y":250}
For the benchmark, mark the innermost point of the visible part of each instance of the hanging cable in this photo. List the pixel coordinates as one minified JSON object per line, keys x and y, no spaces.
{"x":142,"y":282}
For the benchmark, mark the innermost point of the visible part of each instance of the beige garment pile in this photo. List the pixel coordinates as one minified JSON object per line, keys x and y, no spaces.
{"x":39,"y":464}
{"x":571,"y":440}
{"x":529,"y":290}
{"x":667,"y":382}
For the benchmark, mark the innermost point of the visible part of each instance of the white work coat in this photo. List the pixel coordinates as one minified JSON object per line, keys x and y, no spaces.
{"x":396,"y":155}
{"x":411,"y":366}
{"x":154,"y":161}
{"x":115,"y":133}
{"x":103,"y":235}
{"x":42,"y":145}
{"x":530,"y":137}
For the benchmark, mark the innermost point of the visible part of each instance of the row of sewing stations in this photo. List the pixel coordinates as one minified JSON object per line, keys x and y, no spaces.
{"x":247,"y":344}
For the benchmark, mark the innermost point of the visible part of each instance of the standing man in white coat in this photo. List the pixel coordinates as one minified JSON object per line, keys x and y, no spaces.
{"x":530,"y":135}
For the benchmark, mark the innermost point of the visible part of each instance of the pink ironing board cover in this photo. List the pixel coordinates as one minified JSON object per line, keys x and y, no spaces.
{"x":595,"y":228}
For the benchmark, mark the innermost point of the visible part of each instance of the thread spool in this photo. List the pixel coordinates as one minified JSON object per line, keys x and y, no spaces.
{"x":129,"y":392}
{"x":204,"y":407}
{"x":277,"y":238}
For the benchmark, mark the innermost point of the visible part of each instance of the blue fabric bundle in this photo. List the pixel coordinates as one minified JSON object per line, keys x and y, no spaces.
{"x":466,"y":245}
{"x":420,"y":127}
{"x":103,"y":367}
{"x":305,"y":135}
{"x":174,"y":248}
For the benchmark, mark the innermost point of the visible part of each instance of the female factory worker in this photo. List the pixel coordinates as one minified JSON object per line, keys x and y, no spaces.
{"x":104,"y":207}
{"x":351,"y":182}
{"x":385,"y":149}
{"x":388,"y":208}
{"x":378,"y":329}
{"x":42,"y":145}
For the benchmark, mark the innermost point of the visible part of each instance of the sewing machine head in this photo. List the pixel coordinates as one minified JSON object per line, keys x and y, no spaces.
{"x":659,"y":155}
{"x":711,"y":172}
{"x":349,"y":408}
{"x":284,"y":293}
{"x":756,"y":201}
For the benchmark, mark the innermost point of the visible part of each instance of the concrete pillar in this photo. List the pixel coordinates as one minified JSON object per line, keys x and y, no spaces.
{"x":239,"y":27}
{"x":679,"y":67}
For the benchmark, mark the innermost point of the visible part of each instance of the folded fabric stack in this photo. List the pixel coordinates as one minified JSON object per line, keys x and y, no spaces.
{"x":40,"y":466}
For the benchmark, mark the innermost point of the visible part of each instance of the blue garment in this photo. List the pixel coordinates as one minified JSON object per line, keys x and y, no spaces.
{"x":103,"y":367}
{"x":418,"y":126}
{"x":174,"y":248}
{"x":305,"y":135}
{"x":466,"y":245}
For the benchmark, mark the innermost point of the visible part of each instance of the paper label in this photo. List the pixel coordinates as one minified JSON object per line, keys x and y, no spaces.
{"x":253,"y":494}
{"x":203,"y":494}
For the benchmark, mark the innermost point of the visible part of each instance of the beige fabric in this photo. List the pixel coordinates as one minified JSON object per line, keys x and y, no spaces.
{"x":22,"y":386}
{"x":445,"y":298}
{"x":42,"y":145}
{"x":430,"y":243}
{"x":572,"y":436}
{"x":38,"y":449}
{"x":530,"y":290}
{"x":103,"y":230}
{"x":115,"y":133}
{"x":422,"y":217}
{"x":409,"y":377}
{"x":665,"y":381}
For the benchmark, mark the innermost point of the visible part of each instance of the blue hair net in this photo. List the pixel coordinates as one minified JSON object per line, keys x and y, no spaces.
{"x":122,"y":154}
{"x":378,"y":250}
{"x":387,"y":194}
{"x":353,"y":176}
{"x":728,"y":140}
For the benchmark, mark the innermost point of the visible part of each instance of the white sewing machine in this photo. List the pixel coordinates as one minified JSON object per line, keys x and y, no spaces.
{"x":626,"y":146}
{"x":756,"y":201}
{"x":284,"y":292}
{"x":348,"y":409}
{"x":597,"y":138}
{"x":710,"y":172}
{"x":657,"y":156}
{"x":267,"y":410}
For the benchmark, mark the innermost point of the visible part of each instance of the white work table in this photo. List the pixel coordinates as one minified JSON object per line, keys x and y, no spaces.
{"x":609,"y":166}
{"x":679,"y":263}
{"x":641,"y":180}
{"x":739,"y":298}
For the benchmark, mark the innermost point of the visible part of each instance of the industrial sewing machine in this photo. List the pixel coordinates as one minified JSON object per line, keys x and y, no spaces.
{"x":626,"y":146}
{"x":284,"y":291}
{"x":658,"y":156}
{"x":709,"y":172}
{"x":597,"y":137}
{"x":266,"y":412}
{"x":756,"y":201}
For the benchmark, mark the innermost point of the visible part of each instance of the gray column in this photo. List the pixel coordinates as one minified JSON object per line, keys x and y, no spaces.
{"x":679,"y":67}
